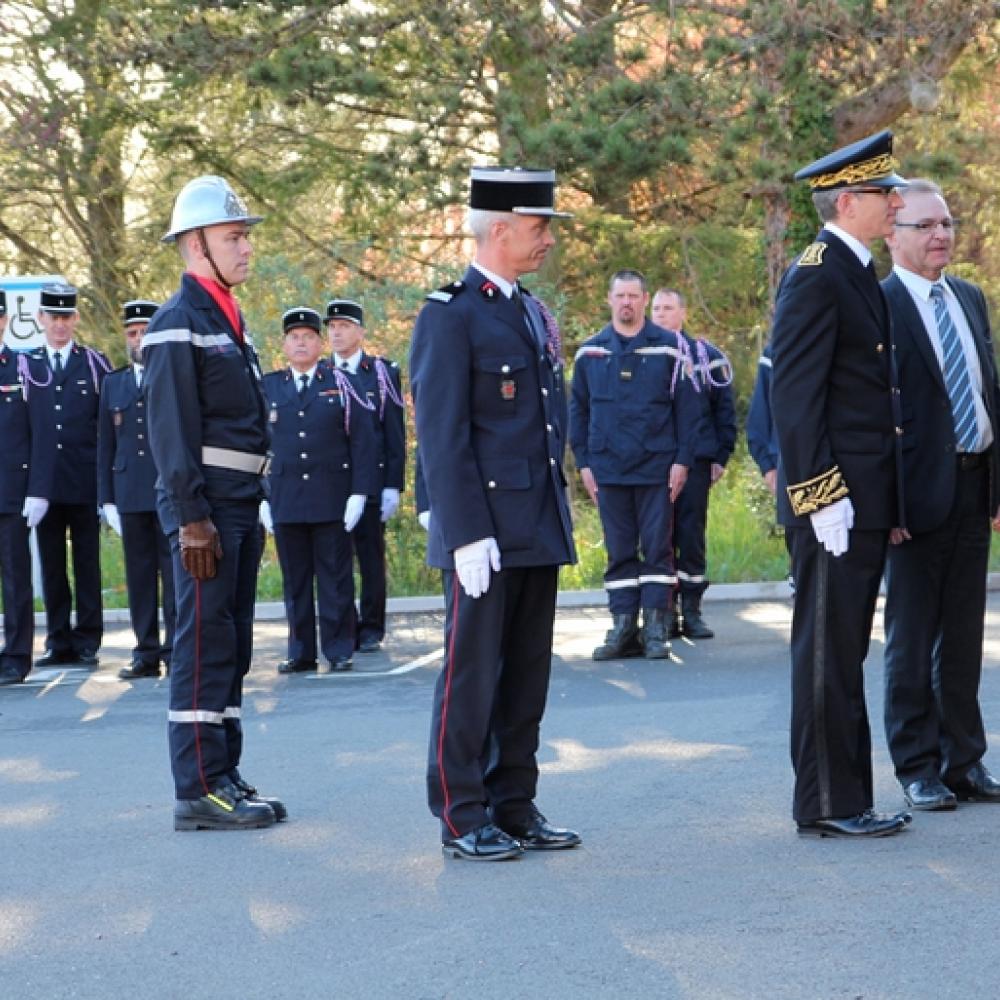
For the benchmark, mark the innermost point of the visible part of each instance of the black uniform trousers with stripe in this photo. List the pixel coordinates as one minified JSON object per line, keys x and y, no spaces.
{"x":147,"y":561}
{"x":213,"y":646}
{"x":690,"y":524}
{"x":80,"y":520}
{"x":18,"y":613}
{"x":318,"y":551}
{"x":831,"y":627}
{"x":634,"y":518}
{"x":490,"y":698}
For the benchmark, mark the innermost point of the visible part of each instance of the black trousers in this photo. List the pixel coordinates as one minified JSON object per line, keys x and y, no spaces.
{"x":634,"y":517}
{"x":690,"y":524}
{"x":368,"y":538}
{"x":934,"y":611}
{"x":147,"y":562}
{"x":831,"y":630}
{"x":81,"y":521}
{"x":490,"y":698}
{"x":213,"y":646}
{"x":319,"y":553}
{"x":18,"y":613}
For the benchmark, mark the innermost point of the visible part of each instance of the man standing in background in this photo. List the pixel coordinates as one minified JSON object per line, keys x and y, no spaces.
{"x":712,"y":377}
{"x":126,"y":480}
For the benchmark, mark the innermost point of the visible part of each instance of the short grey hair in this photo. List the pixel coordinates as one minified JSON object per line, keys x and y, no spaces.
{"x":825,"y":203}
{"x":921,"y":185}
{"x":480,"y":220}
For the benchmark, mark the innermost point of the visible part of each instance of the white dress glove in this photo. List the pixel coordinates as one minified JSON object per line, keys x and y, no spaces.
{"x":265,"y":516}
{"x":34,"y":509}
{"x":113,"y":518}
{"x":353,"y":511}
{"x":390,"y":502}
{"x":832,"y":526}
{"x":472,"y":564}
{"x":424,"y":517}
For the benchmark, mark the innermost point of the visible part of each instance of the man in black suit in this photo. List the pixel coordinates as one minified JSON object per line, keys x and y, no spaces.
{"x":488,"y":388}
{"x":836,"y":408}
{"x":25,"y":465}
{"x":72,"y":398}
{"x":936,"y":570}
{"x":126,"y":480}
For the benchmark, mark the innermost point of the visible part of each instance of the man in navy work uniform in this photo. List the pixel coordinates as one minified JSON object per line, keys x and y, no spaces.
{"x":713,"y":379}
{"x":208,"y":431}
{"x":633,"y":421}
{"x":322,"y":470}
{"x":377,"y":380}
{"x":836,"y":406}
{"x":487,"y":380}
{"x":126,"y":480}
{"x":25,"y":462}
{"x":73,"y":400}
{"x":936,"y":572}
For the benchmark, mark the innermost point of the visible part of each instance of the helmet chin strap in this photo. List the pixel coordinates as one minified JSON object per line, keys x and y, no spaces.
{"x":208,"y":256}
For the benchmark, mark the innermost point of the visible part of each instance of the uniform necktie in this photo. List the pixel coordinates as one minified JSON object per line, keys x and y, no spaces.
{"x":303,"y":385}
{"x":57,"y":367}
{"x":345,"y":366}
{"x":518,"y":300}
{"x":956,"y":374}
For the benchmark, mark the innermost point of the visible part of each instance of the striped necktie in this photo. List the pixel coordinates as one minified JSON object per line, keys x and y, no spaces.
{"x":956,"y":374}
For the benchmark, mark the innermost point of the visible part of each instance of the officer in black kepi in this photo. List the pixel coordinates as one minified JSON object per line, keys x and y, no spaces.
{"x":25,"y":465}
{"x":126,"y":479}
{"x":487,"y":378}
{"x":323,"y":455}
{"x":633,"y":425}
{"x":836,"y":406}
{"x":208,"y":432}
{"x":377,"y":380}
{"x":73,"y":399}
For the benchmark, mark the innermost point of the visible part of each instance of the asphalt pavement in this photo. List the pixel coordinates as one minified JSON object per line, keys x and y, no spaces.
{"x":691,"y":882}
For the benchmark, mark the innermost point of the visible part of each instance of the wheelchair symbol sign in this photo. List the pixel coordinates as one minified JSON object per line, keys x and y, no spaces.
{"x":23,"y":329}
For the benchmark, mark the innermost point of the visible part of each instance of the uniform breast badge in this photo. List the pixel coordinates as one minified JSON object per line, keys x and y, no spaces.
{"x":508,"y":389}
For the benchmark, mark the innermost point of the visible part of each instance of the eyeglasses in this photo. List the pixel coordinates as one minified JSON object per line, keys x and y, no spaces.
{"x":929,"y":225}
{"x":885,"y":192}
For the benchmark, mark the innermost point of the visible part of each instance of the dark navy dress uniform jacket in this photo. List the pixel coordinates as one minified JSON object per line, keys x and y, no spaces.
{"x":27,"y":433}
{"x":491,"y":415}
{"x":388,"y":421}
{"x":316,"y":463}
{"x":631,"y":419}
{"x":125,"y":469}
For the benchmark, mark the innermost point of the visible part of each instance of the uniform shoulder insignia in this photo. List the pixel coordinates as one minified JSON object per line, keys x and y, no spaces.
{"x":812,"y":256}
{"x":447,"y":293}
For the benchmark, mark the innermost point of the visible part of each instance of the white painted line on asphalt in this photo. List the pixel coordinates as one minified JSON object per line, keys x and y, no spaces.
{"x":420,"y":661}
{"x":403,"y":668}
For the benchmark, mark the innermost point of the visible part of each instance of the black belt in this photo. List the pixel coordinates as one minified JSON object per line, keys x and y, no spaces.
{"x":973,"y":460}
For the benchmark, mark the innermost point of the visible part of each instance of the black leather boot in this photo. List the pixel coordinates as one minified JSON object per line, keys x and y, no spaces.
{"x":225,"y":808}
{"x":694,"y":626}
{"x":622,"y":640}
{"x":654,"y":634}
{"x":674,"y":618}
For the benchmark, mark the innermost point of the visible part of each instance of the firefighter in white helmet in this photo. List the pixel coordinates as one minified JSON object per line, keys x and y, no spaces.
{"x":208,"y":433}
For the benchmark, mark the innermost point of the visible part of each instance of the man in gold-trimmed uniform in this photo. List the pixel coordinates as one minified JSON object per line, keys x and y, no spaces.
{"x":836,"y":408}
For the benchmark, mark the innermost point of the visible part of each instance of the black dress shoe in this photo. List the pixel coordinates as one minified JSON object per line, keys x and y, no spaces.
{"x":866,"y":824}
{"x":296,"y":666}
{"x":252,"y":795}
{"x":8,"y":676}
{"x":537,"y":834}
{"x":341,"y":664}
{"x":223,"y":809}
{"x":485,"y":843}
{"x":369,"y":645}
{"x":976,"y":785}
{"x":137,"y":669}
{"x":54,"y":658}
{"x":86,"y":658}
{"x":929,"y":794}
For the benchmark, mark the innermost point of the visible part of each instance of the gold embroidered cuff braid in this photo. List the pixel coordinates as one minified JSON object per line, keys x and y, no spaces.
{"x":816,"y":493}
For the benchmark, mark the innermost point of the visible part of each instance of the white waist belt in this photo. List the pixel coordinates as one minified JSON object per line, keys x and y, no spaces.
{"x":240,"y":461}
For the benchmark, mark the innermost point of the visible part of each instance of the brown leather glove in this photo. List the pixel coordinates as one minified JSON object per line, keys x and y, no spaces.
{"x":200,"y":548}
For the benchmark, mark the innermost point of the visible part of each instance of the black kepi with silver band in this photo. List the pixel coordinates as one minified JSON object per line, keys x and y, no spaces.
{"x":56,"y":298}
{"x":516,"y":190}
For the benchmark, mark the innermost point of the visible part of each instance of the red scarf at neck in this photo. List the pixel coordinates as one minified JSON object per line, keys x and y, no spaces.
{"x":225,"y":300}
